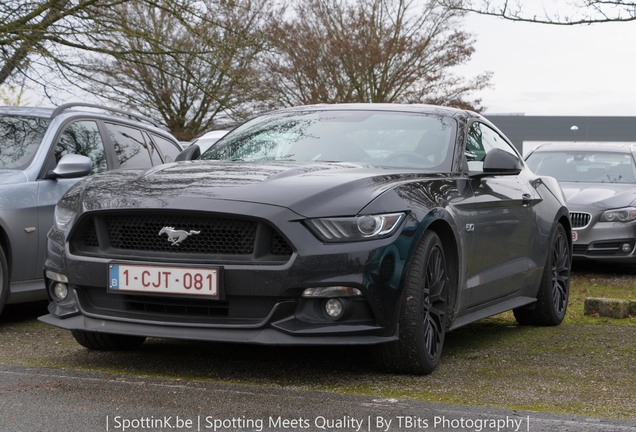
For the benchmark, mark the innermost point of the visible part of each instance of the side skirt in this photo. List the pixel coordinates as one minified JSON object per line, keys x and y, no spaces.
{"x":488,"y":311}
{"x":27,"y":291}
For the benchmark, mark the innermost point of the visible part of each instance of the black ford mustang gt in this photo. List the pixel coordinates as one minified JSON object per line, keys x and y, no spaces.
{"x":318,"y":225}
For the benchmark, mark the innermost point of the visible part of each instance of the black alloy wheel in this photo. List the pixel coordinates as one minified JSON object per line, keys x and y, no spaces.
{"x":423,"y":315}
{"x":554,"y":291}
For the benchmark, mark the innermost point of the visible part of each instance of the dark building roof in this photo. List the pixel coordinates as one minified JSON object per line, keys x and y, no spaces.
{"x":520,"y":128}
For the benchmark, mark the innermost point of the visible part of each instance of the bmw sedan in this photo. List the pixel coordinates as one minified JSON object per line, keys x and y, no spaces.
{"x":374,"y":224}
{"x":599,"y":182}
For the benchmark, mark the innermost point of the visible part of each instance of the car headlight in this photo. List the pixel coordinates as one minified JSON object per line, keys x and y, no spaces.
{"x":63,"y":217}
{"x":626,"y":214}
{"x":355,"y":228}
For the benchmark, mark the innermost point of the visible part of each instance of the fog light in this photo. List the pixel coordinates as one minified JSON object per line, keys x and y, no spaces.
{"x":626,"y":247}
{"x":334,"y":307}
{"x":60,"y":291}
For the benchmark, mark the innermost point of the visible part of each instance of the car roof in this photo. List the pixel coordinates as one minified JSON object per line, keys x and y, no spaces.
{"x":213,"y":134}
{"x":586,"y":146}
{"x":80,"y":108}
{"x":26,"y":111}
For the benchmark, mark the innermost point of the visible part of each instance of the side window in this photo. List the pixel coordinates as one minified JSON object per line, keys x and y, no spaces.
{"x":155,"y":154}
{"x":167,"y":148}
{"x":83,"y":138}
{"x":481,"y":139}
{"x":130,"y":147}
{"x":475,"y":151}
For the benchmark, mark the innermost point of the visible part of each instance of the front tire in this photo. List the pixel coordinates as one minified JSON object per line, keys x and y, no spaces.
{"x":424,"y":310}
{"x":554,"y":291}
{"x":107,"y":341}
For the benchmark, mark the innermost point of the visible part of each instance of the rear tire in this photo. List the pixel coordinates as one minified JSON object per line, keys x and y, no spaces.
{"x":554,"y":291}
{"x":107,"y":341}
{"x":4,"y":280}
{"x":424,"y":310}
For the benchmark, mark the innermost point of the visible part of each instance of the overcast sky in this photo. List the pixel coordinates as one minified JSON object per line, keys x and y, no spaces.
{"x":555,"y":70}
{"x":549,"y":70}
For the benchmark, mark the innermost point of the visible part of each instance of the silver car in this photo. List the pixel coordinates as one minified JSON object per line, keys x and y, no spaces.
{"x":207,"y":140}
{"x":599,"y":181}
{"x":43,"y":152}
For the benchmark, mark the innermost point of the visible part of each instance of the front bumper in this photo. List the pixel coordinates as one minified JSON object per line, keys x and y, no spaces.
{"x":260,"y":303}
{"x":264,"y":336}
{"x":605,"y":241}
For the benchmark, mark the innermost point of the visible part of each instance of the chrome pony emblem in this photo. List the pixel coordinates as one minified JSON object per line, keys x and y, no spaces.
{"x":175,"y":237}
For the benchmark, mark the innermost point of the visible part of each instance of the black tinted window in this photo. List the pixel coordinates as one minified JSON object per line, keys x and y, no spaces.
{"x":20,"y":137}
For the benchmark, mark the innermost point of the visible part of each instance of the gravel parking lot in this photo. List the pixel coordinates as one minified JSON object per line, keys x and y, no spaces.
{"x":585,"y":367}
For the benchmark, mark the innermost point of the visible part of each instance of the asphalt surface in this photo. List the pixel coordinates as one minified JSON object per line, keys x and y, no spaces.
{"x":39,"y":399}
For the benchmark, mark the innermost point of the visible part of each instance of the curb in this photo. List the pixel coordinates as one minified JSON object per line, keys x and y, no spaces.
{"x":611,"y":308}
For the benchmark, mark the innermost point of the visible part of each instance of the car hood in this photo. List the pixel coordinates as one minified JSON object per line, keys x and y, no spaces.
{"x":313,"y":189}
{"x":603,"y":195}
{"x":12,"y":176}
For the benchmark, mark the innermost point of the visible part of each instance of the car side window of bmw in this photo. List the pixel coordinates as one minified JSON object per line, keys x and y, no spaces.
{"x":83,"y":138}
{"x":169,"y":150}
{"x":130,"y":146}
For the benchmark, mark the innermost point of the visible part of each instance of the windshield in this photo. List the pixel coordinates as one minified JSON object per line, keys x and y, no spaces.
{"x":581,"y":166}
{"x":375,"y":137}
{"x":20,"y":138}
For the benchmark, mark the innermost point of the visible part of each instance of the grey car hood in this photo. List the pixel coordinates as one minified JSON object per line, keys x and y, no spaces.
{"x":12,"y":176}
{"x":310,"y":189}
{"x":602,"y":195}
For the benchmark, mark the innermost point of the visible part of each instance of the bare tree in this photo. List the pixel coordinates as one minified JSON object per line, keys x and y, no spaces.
{"x":327,"y":51}
{"x":573,"y":13}
{"x":190,"y":71}
{"x":37,"y":36}
{"x":34,"y":28}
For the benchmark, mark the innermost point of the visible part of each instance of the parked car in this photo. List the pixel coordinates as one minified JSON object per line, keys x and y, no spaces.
{"x":318,"y":225}
{"x":208,"y":139}
{"x":43,"y":152}
{"x":599,"y":181}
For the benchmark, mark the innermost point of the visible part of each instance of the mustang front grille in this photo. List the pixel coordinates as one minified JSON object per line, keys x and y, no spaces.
{"x":177,"y":234}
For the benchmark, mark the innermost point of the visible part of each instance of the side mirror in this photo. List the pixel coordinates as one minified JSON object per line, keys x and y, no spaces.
{"x":72,"y":166}
{"x":501,"y":162}
{"x":191,"y":152}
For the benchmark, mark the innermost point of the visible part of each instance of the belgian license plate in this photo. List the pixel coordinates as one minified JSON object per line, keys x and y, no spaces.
{"x":575,"y":236}
{"x":164,"y":280}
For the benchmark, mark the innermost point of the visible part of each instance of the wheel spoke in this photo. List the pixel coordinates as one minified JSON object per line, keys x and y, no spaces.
{"x":560,"y":274}
{"x":560,"y":297}
{"x":432,"y":335}
{"x":435,"y":283}
{"x":434,"y":302}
